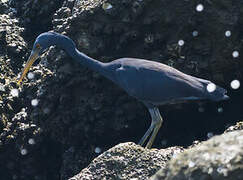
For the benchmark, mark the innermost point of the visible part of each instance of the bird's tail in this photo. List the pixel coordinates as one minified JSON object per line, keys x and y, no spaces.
{"x":219,"y":94}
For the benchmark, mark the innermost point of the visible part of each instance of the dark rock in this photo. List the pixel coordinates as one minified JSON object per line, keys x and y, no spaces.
{"x":36,"y":16}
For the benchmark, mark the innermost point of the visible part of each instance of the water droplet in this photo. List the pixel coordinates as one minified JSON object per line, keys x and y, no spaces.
{"x":181,"y":42}
{"x":31,"y":141}
{"x":220,"y":110}
{"x":23,"y":151}
{"x":164,"y":142}
{"x":195,"y":33}
{"x":97,"y":150}
{"x":210,"y":134}
{"x":31,"y":75}
{"x":14,"y":92}
{"x":235,"y":84}
{"x":107,"y":6}
{"x":201,"y":109}
{"x":227,"y":33}
{"x":34,"y":102}
{"x":15,"y":177}
{"x":191,"y":164}
{"x":199,"y":8}
{"x":211,"y":87}
{"x":235,"y":54}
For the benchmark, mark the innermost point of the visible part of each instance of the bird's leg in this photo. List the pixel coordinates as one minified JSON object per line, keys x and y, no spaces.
{"x":157,"y":121}
{"x":150,"y":129}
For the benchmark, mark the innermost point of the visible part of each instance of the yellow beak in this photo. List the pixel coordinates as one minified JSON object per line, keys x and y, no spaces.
{"x":33,"y":56}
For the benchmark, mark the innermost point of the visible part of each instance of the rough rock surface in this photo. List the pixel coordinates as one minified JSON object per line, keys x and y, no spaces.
{"x":20,"y":135}
{"x":35,"y":15}
{"x":127,"y":161}
{"x":220,"y":158}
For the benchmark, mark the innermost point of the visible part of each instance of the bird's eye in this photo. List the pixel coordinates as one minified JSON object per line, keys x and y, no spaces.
{"x":38,"y":46}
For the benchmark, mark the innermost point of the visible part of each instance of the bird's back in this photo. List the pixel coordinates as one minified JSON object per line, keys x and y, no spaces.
{"x":157,"y":83}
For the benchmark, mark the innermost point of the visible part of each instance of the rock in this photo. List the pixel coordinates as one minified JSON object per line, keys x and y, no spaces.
{"x":35,"y":14}
{"x":127,"y":161}
{"x":237,"y":126}
{"x":218,"y":158}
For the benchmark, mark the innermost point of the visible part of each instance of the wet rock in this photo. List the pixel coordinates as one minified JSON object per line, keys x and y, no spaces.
{"x":127,"y":161}
{"x":218,"y":158}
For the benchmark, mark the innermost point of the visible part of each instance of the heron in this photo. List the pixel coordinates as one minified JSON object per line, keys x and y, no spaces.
{"x":150,"y":82}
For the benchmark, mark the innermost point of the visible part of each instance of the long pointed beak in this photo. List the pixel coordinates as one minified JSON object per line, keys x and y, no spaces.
{"x":33,"y":56}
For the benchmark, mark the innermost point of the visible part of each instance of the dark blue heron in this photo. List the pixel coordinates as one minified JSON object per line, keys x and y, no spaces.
{"x":150,"y":82}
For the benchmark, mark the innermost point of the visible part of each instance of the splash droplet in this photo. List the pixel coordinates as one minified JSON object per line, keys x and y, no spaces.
{"x":211,"y":87}
{"x":31,"y":75}
{"x":201,"y":109}
{"x":181,"y":42}
{"x":34,"y":102}
{"x":31,"y":141}
{"x":235,"y":84}
{"x":220,"y":110}
{"x":23,"y":151}
{"x":210,"y":134}
{"x":227,"y":33}
{"x":235,"y":54}
{"x":195,"y":33}
{"x":199,"y":8}
{"x":97,"y":150}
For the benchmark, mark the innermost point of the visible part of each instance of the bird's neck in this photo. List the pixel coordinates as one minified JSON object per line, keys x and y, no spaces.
{"x":69,"y":46}
{"x":88,"y":62}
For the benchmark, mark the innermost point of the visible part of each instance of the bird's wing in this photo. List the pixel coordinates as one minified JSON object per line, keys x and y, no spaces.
{"x":157,"y":83}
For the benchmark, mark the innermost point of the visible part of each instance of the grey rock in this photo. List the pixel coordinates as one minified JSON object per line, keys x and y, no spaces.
{"x":127,"y":161}
{"x":219,"y":158}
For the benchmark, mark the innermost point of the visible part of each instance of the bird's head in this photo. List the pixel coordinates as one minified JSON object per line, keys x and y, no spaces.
{"x":42,"y":43}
